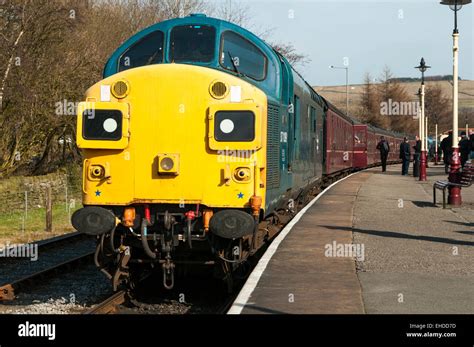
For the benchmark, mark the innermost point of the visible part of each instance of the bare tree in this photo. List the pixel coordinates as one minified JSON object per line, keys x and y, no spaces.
{"x":438,"y":107}
{"x":239,"y":13}
{"x":466,"y":117}
{"x":14,"y":22}
{"x":289,"y":51}
{"x":52,"y":51}
{"x":368,"y":102}
{"x":391,"y":91}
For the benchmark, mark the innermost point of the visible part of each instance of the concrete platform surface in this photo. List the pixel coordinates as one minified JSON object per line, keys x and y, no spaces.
{"x":373,"y":243}
{"x":418,"y":258}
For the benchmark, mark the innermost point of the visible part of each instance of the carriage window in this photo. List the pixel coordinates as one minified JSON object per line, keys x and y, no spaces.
{"x":192,"y":43}
{"x":242,"y":56}
{"x":359,"y":138}
{"x":149,"y":50}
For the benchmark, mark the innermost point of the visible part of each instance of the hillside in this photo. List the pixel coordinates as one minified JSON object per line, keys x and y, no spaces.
{"x":337,"y":94}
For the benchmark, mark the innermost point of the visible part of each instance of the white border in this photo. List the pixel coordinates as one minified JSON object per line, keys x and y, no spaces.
{"x":257,"y":272}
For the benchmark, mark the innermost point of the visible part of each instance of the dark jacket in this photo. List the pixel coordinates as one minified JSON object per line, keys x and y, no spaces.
{"x":446,"y":145}
{"x":383,"y":147}
{"x":405,"y":151}
{"x":465,"y":146}
{"x":417,"y":147}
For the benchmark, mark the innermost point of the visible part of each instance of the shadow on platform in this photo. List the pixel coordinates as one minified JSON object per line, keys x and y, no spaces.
{"x":423,"y":204}
{"x":404,"y":236}
{"x":465,"y":224}
{"x":392,"y":173}
{"x":260,"y":309}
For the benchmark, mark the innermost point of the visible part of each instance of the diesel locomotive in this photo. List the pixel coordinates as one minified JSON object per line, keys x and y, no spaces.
{"x":199,"y":141}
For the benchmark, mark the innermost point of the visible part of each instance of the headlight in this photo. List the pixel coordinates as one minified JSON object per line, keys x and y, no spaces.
{"x":120,"y":89}
{"x":167,"y":164}
{"x":242,"y":174}
{"x":218,"y":90}
{"x":102,"y":125}
{"x":96,"y":172}
{"x":234,"y":126}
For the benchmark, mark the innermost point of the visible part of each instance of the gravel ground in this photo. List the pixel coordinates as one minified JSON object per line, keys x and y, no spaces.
{"x":83,"y":287}
{"x":174,"y":307}
{"x":77,"y":291}
{"x":15,"y":268}
{"x":68,"y":293}
{"x":171,"y":307}
{"x":191,"y":295}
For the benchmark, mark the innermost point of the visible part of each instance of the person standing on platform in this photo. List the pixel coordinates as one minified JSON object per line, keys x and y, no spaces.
{"x":464,"y":148}
{"x":416,"y":157}
{"x":429,"y":153}
{"x":384,"y":149}
{"x":405,"y":156}
{"x":446,"y":147}
{"x":471,"y":139}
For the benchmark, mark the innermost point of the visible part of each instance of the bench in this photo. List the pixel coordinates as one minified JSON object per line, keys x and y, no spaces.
{"x":465,"y":180}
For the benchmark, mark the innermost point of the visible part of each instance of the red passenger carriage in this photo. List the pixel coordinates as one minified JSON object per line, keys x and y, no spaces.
{"x":339,"y":140}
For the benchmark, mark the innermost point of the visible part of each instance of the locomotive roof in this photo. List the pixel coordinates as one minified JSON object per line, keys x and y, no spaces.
{"x":273,"y":55}
{"x":268,"y":85}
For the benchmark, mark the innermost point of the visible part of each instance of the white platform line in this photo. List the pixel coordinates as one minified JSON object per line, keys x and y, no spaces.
{"x":254,"y":278}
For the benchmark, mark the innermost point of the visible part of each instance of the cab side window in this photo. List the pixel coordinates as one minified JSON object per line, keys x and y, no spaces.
{"x":240,"y":55}
{"x":285,"y":88}
{"x":147,"y":51}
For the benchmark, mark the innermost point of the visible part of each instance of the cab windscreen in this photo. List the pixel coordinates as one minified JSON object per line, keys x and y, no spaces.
{"x":234,"y":126}
{"x":102,"y":125}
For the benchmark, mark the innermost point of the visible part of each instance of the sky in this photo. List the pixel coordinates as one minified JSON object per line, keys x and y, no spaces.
{"x":371,"y":34}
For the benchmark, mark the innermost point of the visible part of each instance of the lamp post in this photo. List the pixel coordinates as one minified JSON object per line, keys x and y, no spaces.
{"x":427,"y":144}
{"x":423,"y":67}
{"x":436,"y":139}
{"x":454,"y":197}
{"x":347,"y":84}
{"x":416,"y":156}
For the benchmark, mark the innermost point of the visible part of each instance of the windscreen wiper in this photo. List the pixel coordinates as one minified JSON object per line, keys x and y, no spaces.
{"x":233,"y":63}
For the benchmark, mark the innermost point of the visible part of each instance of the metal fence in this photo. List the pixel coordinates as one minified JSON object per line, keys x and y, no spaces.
{"x":40,"y":202}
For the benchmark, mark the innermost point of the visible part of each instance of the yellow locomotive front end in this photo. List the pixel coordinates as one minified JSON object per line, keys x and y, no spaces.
{"x":178,"y":140}
{"x":173,"y":154}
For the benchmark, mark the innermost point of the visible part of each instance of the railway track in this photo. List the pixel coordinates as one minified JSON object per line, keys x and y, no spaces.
{"x":19,"y":279}
{"x":62,"y":239}
{"x":116,"y":303}
{"x":51,"y":243}
{"x":112,"y":304}
{"x":55,"y":255}
{"x":109,"y":305}
{"x":69,"y":258}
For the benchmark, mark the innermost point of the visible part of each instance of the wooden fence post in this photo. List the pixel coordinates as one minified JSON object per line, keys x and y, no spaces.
{"x":49,"y":209}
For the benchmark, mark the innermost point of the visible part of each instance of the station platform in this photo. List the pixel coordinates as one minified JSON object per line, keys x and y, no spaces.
{"x":372,"y":243}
